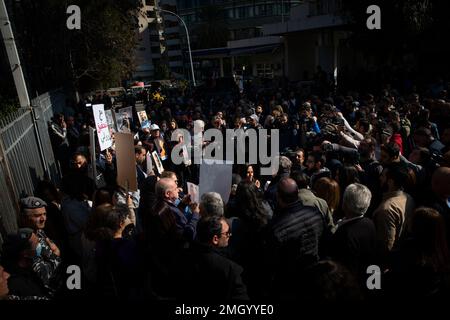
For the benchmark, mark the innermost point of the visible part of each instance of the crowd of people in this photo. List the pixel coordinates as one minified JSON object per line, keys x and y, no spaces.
{"x":363,"y":180}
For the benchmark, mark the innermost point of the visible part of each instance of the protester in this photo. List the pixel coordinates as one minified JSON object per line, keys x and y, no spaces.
{"x":210,"y":276}
{"x":336,"y":144}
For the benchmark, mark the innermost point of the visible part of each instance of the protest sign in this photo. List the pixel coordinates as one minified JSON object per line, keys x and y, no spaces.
{"x":126,"y":163}
{"x":194,"y":192}
{"x":142,"y":116}
{"x":216,"y":177}
{"x":159,"y":144}
{"x":149,"y":163}
{"x":124,"y":118}
{"x":110,"y":120}
{"x":101,"y":125}
{"x":158,"y":162}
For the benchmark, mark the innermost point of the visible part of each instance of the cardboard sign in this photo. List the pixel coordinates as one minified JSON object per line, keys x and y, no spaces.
{"x":124,"y":118}
{"x":101,"y":125}
{"x":194,"y":192}
{"x":142,"y":116}
{"x":158,"y":163}
{"x":216,"y":177}
{"x":126,"y":163}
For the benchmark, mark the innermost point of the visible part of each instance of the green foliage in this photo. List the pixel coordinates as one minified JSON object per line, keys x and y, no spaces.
{"x":7,"y":106}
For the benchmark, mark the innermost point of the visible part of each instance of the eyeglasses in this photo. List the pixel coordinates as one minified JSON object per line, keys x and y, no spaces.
{"x":228,"y":234}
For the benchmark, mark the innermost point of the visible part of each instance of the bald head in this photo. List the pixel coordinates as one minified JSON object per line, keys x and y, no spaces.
{"x":440,"y":183}
{"x":287,"y":191}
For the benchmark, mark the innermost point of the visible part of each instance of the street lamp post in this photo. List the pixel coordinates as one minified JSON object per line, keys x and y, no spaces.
{"x":188,"y":40}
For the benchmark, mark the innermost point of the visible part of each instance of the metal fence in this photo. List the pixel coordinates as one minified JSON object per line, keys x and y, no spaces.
{"x":26,"y":155}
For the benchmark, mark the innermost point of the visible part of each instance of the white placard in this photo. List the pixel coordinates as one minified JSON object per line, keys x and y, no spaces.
{"x":216,"y":177}
{"x":194,"y":192}
{"x":101,"y":125}
{"x":142,"y":116}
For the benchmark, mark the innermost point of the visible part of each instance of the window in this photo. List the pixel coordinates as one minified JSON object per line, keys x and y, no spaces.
{"x":261,"y":9}
{"x":185,"y":4}
{"x":264,"y":70}
{"x":230,"y":13}
{"x":241,"y":13}
{"x":269,"y":9}
{"x":250,"y":11}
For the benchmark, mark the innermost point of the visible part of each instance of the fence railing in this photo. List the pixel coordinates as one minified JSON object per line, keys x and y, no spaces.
{"x":26,"y":155}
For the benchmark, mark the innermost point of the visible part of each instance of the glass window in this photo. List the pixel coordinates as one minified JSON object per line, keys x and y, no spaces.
{"x":261,"y":10}
{"x":242,"y":12}
{"x":230,"y":13}
{"x":269,"y":9}
{"x":250,"y":11}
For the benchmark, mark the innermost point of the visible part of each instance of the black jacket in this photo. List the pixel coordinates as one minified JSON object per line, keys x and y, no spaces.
{"x":209,"y":276}
{"x":296,"y":231}
{"x":23,"y":283}
{"x":354,"y":244}
{"x":293,"y":244}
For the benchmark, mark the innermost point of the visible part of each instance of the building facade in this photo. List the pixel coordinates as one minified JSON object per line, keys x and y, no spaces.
{"x":244,"y":50}
{"x":314,"y":35}
{"x":159,"y":50}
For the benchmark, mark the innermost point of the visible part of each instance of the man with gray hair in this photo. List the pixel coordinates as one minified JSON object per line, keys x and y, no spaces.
{"x":354,"y":241}
{"x":211,"y":205}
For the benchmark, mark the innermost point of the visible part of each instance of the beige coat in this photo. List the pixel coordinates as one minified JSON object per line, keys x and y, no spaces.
{"x":392,"y":217}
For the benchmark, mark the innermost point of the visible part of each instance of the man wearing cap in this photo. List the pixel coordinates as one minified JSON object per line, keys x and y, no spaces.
{"x":21,"y":253}
{"x":33,"y":215}
{"x":253,"y":122}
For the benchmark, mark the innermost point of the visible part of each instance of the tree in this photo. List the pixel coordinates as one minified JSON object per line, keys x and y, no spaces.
{"x":212,"y":32}
{"x":100,"y":54}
